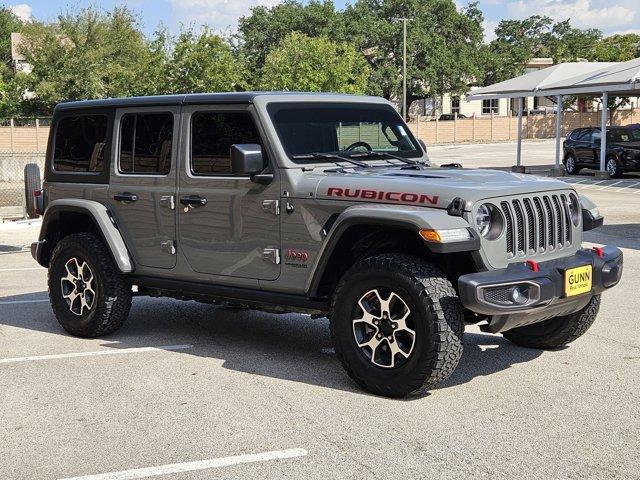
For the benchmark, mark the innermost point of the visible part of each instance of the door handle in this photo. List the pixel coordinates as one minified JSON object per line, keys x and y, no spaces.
{"x":193,"y":201}
{"x":125,"y":197}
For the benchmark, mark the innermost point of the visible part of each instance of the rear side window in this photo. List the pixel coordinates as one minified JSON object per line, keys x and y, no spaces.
{"x":146,"y":143}
{"x":212,"y":134}
{"x":80,"y":144}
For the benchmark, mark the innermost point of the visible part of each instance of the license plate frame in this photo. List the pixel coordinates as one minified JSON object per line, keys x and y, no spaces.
{"x":578,"y":280}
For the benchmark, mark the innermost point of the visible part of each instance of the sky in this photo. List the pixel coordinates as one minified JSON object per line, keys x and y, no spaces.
{"x":610,"y":16}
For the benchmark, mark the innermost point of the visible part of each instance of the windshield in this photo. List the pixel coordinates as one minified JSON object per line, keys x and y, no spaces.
{"x":624,"y":136}
{"x":342,"y":129}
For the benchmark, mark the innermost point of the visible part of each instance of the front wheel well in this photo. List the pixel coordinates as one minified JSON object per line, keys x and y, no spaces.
{"x":362,"y":241}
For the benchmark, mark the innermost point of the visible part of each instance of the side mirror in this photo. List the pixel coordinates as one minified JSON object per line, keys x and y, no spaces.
{"x":247,"y":159}
{"x":423,"y":145}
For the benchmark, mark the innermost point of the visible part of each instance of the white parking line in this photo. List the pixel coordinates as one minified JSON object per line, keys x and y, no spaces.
{"x":596,"y":183}
{"x":117,"y":351}
{"x":17,"y":302}
{"x":21,"y":269}
{"x":628,"y":186}
{"x":193,"y":466}
{"x":610,"y":185}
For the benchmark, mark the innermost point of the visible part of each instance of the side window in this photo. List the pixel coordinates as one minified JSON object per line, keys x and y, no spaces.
{"x":595,"y":135}
{"x":80,"y":143}
{"x":212,"y":134}
{"x":146,"y":143}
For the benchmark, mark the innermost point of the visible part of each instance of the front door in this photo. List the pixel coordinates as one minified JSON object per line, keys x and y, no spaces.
{"x":143,"y":182}
{"x":227,"y":224}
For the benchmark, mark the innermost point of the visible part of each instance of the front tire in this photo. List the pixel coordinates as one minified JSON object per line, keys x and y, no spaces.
{"x":396,"y":324}
{"x":556,"y":332}
{"x":89,"y":296}
{"x":570,"y":165}
{"x":613,"y":168}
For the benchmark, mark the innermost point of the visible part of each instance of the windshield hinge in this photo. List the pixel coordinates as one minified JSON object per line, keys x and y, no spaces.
{"x":271,"y":206}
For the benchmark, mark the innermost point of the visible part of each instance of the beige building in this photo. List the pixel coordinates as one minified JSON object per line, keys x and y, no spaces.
{"x":456,"y":104}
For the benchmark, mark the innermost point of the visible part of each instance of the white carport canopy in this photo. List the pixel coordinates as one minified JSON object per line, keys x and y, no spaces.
{"x":577,"y":78}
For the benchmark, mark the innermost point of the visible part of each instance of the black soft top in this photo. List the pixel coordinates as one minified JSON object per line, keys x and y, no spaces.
{"x":180,"y":99}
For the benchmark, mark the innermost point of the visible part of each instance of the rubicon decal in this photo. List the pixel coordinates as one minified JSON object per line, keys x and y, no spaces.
{"x":404,"y":197}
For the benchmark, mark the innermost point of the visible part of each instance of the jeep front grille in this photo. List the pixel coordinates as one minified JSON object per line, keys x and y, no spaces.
{"x":537,"y":224}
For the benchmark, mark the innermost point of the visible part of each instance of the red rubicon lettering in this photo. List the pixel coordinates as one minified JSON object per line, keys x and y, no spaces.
{"x":393,"y":196}
{"x":405,"y":197}
{"x":369,"y":194}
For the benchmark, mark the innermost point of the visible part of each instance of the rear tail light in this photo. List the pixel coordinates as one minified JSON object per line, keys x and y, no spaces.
{"x":38,"y":193}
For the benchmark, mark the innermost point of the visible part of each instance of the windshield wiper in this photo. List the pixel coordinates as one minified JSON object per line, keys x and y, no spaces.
{"x":384,"y":154}
{"x":330,"y":156}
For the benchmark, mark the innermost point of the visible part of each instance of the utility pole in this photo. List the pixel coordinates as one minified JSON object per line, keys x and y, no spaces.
{"x":404,"y":21}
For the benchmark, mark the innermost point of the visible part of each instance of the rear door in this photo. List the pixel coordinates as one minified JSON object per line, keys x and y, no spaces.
{"x":143,"y":182}
{"x":231,"y":227}
{"x":582,"y":145}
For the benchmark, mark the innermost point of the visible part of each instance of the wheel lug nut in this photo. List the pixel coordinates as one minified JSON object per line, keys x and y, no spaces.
{"x":379,"y":336}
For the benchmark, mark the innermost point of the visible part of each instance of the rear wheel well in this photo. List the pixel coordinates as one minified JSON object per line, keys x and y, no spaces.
{"x":365,"y":240}
{"x":63,"y":224}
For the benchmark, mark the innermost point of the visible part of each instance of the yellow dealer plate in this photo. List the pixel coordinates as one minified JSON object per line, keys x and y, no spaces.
{"x":578,"y":280}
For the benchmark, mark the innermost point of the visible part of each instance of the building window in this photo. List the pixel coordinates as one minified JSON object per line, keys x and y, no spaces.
{"x":490,"y":106}
{"x":79,"y":144}
{"x":455,"y":105}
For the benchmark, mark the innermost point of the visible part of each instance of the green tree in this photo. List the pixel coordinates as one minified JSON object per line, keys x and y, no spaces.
{"x":203,"y":62}
{"x":303,"y":63}
{"x":9,"y":24}
{"x":616,"y":48}
{"x":517,"y":41}
{"x":442,"y":46}
{"x":86,"y":54}
{"x":265,"y":28}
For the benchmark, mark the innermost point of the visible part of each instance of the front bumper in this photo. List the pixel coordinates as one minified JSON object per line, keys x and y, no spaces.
{"x":489,"y":293}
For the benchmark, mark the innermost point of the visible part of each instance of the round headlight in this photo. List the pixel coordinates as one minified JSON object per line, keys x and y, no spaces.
{"x":575,"y":209}
{"x":489,"y":222}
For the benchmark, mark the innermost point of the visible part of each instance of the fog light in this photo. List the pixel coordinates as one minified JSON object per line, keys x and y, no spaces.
{"x":519,"y":295}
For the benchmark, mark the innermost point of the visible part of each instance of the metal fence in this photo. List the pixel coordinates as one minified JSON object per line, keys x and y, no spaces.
{"x":12,"y":190}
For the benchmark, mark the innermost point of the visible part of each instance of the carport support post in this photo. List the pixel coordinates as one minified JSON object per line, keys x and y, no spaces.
{"x":603,"y":136}
{"x":558,"y":171}
{"x":518,"y":167}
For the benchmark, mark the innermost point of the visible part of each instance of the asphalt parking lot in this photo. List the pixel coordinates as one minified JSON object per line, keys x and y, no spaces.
{"x":191,"y":391}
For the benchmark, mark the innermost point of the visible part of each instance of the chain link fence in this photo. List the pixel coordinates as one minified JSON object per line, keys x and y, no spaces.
{"x":12,"y":184}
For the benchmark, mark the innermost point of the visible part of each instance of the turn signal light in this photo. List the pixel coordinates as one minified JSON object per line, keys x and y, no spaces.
{"x":445,"y":236}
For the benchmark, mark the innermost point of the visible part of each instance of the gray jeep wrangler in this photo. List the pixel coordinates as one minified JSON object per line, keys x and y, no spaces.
{"x":320,"y":204}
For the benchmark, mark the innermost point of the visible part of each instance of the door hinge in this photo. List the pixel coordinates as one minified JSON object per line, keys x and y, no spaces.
{"x":168,"y":247}
{"x":168,"y":201}
{"x":271,"y":255}
{"x":271,"y":206}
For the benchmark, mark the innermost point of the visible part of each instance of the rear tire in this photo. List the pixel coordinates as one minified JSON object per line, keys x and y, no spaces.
{"x":556,"y":332}
{"x":31,"y":183}
{"x":410,"y":296}
{"x":89,"y":296}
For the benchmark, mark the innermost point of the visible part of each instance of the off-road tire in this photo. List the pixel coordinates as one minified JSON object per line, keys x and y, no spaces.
{"x":113,"y":292}
{"x":438,"y":323}
{"x":556,"y":332}
{"x":31,"y":183}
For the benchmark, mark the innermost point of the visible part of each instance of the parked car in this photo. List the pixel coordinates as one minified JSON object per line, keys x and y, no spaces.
{"x":582,"y":149}
{"x":320,"y":204}
{"x":445,"y":117}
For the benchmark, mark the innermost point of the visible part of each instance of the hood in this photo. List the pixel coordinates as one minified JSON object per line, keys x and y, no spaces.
{"x":431,"y":187}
